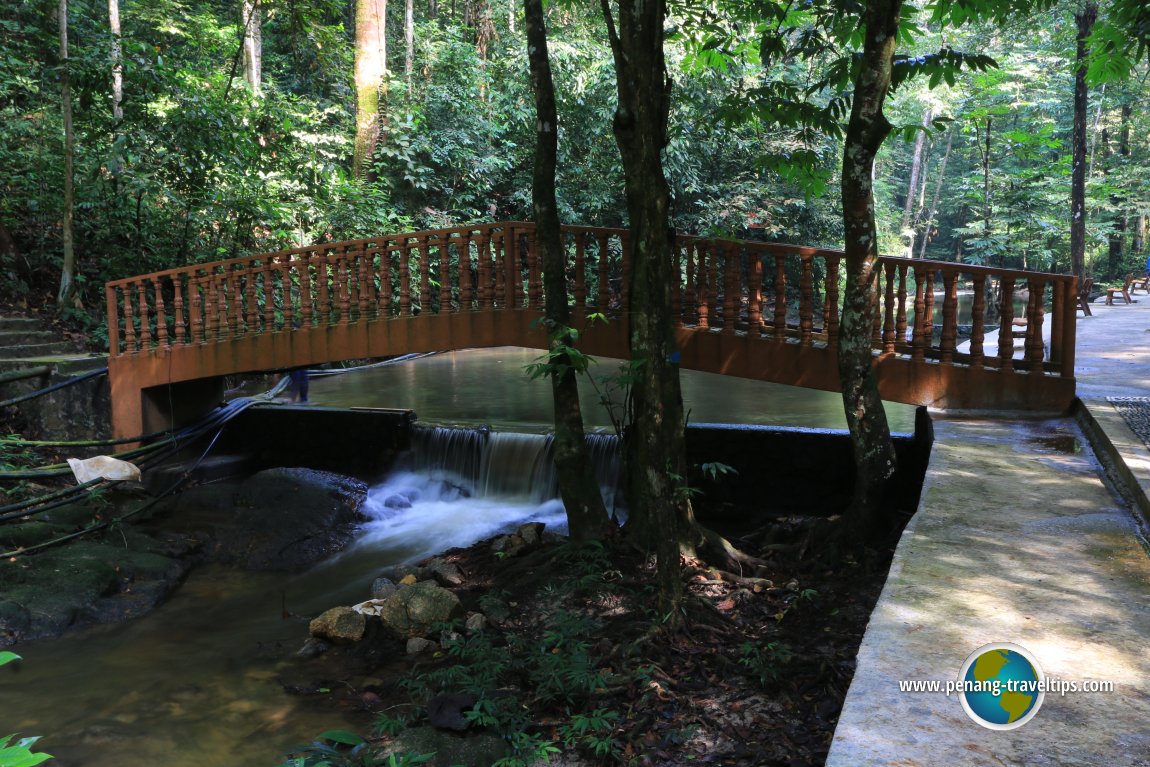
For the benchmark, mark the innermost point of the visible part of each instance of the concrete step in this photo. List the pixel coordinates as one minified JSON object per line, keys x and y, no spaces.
{"x":62,"y":364}
{"x":24,"y":351}
{"x":20,"y":323}
{"x":24,"y":337}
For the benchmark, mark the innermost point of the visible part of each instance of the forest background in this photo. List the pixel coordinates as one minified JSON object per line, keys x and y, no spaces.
{"x":206,"y":129}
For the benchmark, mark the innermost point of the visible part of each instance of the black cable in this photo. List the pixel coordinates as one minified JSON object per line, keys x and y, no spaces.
{"x":54,"y":387}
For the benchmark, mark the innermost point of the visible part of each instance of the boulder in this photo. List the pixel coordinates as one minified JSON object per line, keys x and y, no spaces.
{"x":416,"y":645}
{"x":313,"y":648}
{"x":480,"y":750}
{"x":382,"y":588}
{"x":289,"y":519}
{"x":339,"y":625}
{"x":476,"y":622}
{"x":446,"y":573}
{"x":508,"y":545}
{"x":531,"y":533}
{"x":412,"y":611}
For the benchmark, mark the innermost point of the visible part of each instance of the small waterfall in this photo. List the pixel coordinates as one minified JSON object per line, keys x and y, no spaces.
{"x":506,"y":465}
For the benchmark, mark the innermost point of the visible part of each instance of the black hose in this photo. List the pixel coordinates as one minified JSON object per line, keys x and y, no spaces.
{"x":54,"y":387}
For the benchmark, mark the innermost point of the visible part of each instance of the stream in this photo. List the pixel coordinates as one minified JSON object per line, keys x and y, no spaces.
{"x":195,"y":682}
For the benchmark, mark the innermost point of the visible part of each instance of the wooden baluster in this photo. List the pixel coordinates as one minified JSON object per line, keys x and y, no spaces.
{"x":900,"y":315}
{"x":755,"y":306}
{"x":730,"y":288}
{"x":286,"y":282}
{"x":223,"y":301}
{"x":513,"y":262}
{"x":690,"y":304}
{"x":178,"y":319}
{"x":1056,"y":309}
{"x":129,"y":320}
{"x":949,"y":340}
{"x":888,"y":334}
{"x":210,"y":315}
{"x":145,"y":316}
{"x":466,"y":276}
{"x":713,"y":283}
{"x":535,"y":274}
{"x":1006,"y":326}
{"x":369,"y":291}
{"x":580,"y":275}
{"x":978,"y":321}
{"x":343,"y":295}
{"x":780,"y":297}
{"x":807,"y":299}
{"x":676,"y":286}
{"x":832,"y":292}
{"x":445,"y":275}
{"x":404,"y":278}
{"x":602,"y":300}
{"x":305,"y":302}
{"x":704,"y":287}
{"x":483,"y":257}
{"x":383,"y":297}
{"x":235,"y":304}
{"x":161,"y":315}
{"x":425,"y":275}
{"x":503,"y":290}
{"x":112,"y":304}
{"x":918,"y":347}
{"x":269,"y":313}
{"x":195,"y":309}
{"x":929,"y":315}
{"x":1034,"y":312}
{"x":876,"y":340}
{"x":322,"y":279}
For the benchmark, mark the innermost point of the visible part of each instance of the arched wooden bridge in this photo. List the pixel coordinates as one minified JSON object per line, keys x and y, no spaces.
{"x":748,"y":309}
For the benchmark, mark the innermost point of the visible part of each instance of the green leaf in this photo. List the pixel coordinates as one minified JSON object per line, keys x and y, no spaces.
{"x":342,"y":736}
{"x":7,"y":657}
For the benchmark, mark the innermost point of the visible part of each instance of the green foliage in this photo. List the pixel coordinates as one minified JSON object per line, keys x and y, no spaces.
{"x":766,"y":661}
{"x":13,"y":752}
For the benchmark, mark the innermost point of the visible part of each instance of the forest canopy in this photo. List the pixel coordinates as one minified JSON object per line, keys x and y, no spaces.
{"x":233,"y":129}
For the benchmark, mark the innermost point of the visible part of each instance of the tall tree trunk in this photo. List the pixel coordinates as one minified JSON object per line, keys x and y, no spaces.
{"x":654,"y":450}
{"x":874,"y":457}
{"x":67,"y":295}
{"x":370,"y":82}
{"x":912,"y":185}
{"x":408,"y":43}
{"x":586,"y":515}
{"x":253,"y":45}
{"x":1085,"y":21}
{"x":937,"y":194}
{"x":1118,"y":236}
{"x":115,"y":165}
{"x":511,"y":16}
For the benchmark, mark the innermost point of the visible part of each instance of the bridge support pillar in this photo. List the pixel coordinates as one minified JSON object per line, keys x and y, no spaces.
{"x":137,"y":411}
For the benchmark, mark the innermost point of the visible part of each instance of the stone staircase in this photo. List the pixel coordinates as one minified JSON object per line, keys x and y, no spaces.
{"x":32,"y":357}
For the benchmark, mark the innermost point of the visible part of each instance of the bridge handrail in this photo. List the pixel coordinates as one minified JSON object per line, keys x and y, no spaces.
{"x":780,"y":292}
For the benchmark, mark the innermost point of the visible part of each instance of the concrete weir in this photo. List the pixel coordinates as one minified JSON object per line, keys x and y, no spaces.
{"x":1030,"y":532}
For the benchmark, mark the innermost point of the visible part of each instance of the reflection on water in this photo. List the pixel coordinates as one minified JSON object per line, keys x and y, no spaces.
{"x":489,"y":386}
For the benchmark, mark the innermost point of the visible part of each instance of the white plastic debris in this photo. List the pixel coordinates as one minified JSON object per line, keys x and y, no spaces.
{"x":370,"y":607}
{"x":103,"y":467}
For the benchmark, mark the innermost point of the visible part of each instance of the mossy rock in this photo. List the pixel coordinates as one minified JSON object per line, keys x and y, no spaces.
{"x":24,"y":534}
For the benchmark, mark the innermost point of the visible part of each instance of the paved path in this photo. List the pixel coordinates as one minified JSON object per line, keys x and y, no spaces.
{"x":1020,"y":537}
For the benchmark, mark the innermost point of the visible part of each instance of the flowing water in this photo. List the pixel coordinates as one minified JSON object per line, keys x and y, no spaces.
{"x":196,"y":682}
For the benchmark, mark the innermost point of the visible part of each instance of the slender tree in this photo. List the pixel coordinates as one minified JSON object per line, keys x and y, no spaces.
{"x":117,"y":85}
{"x":908,"y":212}
{"x":253,"y":45}
{"x":67,"y":295}
{"x":370,"y":81}
{"x":586,"y":514}
{"x":1085,"y":24}
{"x":874,"y":457}
{"x":408,"y":43}
{"x":937,"y":194}
{"x":654,"y":449}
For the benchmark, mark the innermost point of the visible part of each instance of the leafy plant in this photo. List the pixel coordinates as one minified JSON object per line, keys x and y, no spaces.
{"x":765,"y":661}
{"x":18,"y":753}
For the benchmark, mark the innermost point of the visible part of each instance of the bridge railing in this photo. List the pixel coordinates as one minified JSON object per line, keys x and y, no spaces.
{"x":780,"y":293}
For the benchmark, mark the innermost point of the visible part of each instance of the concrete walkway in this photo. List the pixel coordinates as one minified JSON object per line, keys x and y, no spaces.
{"x":1022,"y":536}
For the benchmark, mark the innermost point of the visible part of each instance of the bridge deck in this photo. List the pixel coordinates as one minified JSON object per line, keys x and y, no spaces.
{"x":749,"y":309}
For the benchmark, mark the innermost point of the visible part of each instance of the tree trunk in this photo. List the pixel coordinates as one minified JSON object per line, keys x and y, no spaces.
{"x":511,"y":16}
{"x":654,"y":449}
{"x":874,"y":456}
{"x":370,"y":82}
{"x":253,"y":45}
{"x":937,"y":194}
{"x":586,"y":515}
{"x":67,"y":295}
{"x":1118,"y":236}
{"x":912,"y":186}
{"x":1085,"y":21}
{"x":409,"y":43}
{"x":114,"y":165}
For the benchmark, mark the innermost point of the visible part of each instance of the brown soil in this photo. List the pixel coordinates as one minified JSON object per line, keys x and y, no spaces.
{"x":756,"y":675}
